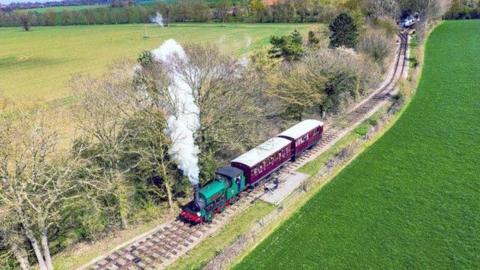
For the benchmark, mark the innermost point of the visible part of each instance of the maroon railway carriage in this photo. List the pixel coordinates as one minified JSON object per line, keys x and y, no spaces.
{"x":262,"y":161}
{"x":303,"y":135}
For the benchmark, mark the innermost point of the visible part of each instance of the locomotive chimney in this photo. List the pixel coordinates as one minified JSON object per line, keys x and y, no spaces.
{"x":196,"y":190}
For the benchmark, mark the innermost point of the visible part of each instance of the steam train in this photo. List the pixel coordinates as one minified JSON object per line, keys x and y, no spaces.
{"x":409,"y":20}
{"x":251,"y":169}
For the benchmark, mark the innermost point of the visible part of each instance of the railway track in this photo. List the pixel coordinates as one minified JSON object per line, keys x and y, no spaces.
{"x":165,"y":244}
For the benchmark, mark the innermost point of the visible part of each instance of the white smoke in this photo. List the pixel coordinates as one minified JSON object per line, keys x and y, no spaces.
{"x":221,"y":41}
{"x":248,"y":41}
{"x":184,"y":122}
{"x":243,"y":62}
{"x":158,"y":19}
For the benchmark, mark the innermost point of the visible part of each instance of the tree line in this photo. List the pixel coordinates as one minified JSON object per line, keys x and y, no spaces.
{"x":289,"y":11}
{"x":463,"y":9}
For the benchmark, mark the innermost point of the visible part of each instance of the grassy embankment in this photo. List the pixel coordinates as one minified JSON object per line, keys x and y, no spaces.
{"x":36,"y":66}
{"x":411,"y":200}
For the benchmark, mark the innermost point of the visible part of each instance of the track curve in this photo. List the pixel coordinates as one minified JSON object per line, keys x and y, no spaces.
{"x":166,"y":243}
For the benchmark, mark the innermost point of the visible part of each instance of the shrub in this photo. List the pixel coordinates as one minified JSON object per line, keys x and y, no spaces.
{"x":362,"y":130}
{"x":312,"y":39}
{"x":343,"y":32}
{"x":387,"y":24}
{"x":288,"y":47}
{"x":145,"y":59}
{"x":413,"y":62}
{"x":376,"y":45}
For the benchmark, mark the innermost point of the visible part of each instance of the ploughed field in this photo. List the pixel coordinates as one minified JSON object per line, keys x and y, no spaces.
{"x":36,"y":66}
{"x":412,"y":200}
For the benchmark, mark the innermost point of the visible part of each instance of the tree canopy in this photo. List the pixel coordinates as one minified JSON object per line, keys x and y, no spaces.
{"x":289,"y":47}
{"x":343,"y":31}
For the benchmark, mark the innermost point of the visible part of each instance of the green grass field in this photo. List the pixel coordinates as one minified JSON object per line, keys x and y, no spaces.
{"x":36,"y":66}
{"x":412,"y":200}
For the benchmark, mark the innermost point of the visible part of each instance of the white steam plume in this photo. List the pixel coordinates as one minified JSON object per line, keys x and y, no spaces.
{"x":248,"y":41}
{"x":184,"y":122}
{"x":158,"y":19}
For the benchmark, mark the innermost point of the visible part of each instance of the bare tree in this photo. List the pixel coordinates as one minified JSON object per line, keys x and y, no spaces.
{"x":428,"y":9}
{"x":35,"y":184}
{"x":298,"y":89}
{"x":104,"y":107}
{"x":25,"y":20}
{"x":146,"y":153}
{"x":348,"y":75}
{"x":123,"y":141}
{"x":381,"y":8}
{"x":225,"y":91}
{"x":376,"y":44}
{"x":12,"y":239}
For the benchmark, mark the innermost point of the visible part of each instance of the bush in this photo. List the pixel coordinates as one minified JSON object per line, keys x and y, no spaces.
{"x":376,"y":45}
{"x":347,"y":76}
{"x":362,"y":130}
{"x":413,"y":62}
{"x":288,"y":47}
{"x":343,"y":32}
{"x":387,"y":24}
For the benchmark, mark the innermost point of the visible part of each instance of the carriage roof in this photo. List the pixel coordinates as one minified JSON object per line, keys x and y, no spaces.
{"x":262,"y":152}
{"x":301,"y":129}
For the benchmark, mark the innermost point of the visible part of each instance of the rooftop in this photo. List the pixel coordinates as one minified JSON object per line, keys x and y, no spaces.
{"x":229,"y":172}
{"x":263,"y":151}
{"x":301,"y":128}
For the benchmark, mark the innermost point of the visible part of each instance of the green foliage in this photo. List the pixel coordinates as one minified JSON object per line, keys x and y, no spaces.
{"x":413,"y":60}
{"x":145,"y":58}
{"x":411,"y":200}
{"x":287,"y":47}
{"x":122,"y":12}
{"x":88,"y":222}
{"x":343,"y":31}
{"x":257,"y":7}
{"x":362,"y":130}
{"x":461,"y":10}
{"x":339,"y":88}
{"x":209,"y":165}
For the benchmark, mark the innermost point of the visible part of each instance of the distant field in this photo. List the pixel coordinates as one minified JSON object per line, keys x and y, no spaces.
{"x":36,"y":66}
{"x":412,"y":200}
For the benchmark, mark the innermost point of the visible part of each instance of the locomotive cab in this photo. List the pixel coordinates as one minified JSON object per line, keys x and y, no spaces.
{"x":234,"y":178}
{"x":214,"y":196}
